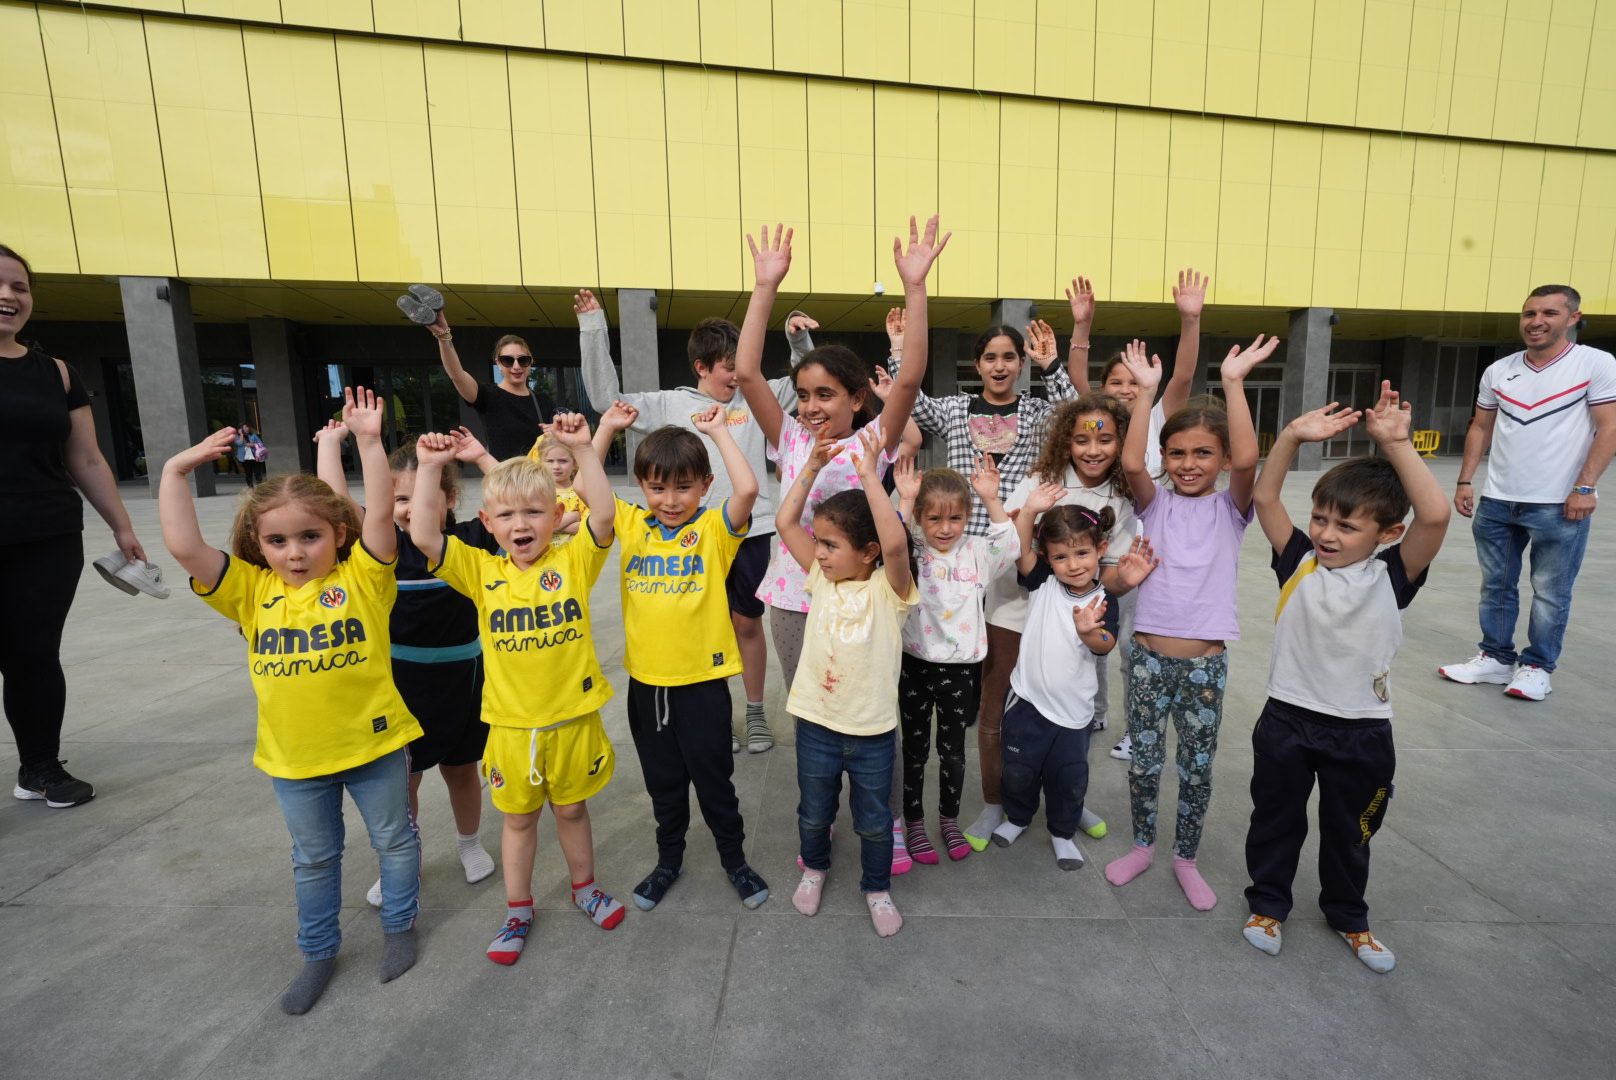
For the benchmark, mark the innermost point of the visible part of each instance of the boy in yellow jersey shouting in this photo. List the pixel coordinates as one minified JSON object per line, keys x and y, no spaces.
{"x":681,"y":646}
{"x":533,"y":621}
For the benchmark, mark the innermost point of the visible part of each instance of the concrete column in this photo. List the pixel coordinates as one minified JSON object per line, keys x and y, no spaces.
{"x":93,"y":375}
{"x":281,"y":409}
{"x":1307,"y":376}
{"x":168,"y":377}
{"x":1017,"y":313}
{"x":636,"y":316}
{"x":1418,"y":378}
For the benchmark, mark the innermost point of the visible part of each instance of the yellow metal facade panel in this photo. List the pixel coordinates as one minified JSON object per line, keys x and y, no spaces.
{"x":417,"y":18}
{"x":841,"y":186}
{"x":773,"y":112}
{"x":1065,"y":53}
{"x":1476,"y":65}
{"x":1178,"y":56}
{"x":1475,"y":206}
{"x":1006,"y":31}
{"x":1433,"y":40}
{"x":875,"y":39}
{"x":1430,"y":223}
{"x":737,"y":33}
{"x":1139,"y":206}
{"x":807,"y":36}
{"x":1242,"y":219}
{"x":468,"y":110}
{"x":704,"y":179}
{"x":942,"y":42}
{"x":1194,"y":173}
{"x":1083,"y":197}
{"x":1338,"y":235}
{"x":1234,"y":37}
{"x":1383,"y":63}
{"x":968,"y":193}
{"x":584,"y":27}
{"x":1591,"y":261}
{"x":110,"y":150}
{"x":1385,"y":226}
{"x":555,"y":188}
{"x":663,"y":29}
{"x":1332,"y":95}
{"x":1293,"y":208}
{"x":631,"y":174}
{"x":1287,"y":52}
{"x":1559,"y":102}
{"x":1520,"y":179}
{"x":33,"y":190}
{"x":1558,"y":200}
{"x":1123,"y":42}
{"x":1029,"y":169}
{"x":390,"y":175}
{"x":268,"y":11}
{"x":517,"y":23}
{"x":905,"y":171}
{"x":1598,"y":113}
{"x":1520,"y":74}
{"x":335,"y":14}
{"x":204,"y":120}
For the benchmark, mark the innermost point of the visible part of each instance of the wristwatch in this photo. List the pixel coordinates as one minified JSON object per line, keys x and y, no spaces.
{"x":1584,"y":489}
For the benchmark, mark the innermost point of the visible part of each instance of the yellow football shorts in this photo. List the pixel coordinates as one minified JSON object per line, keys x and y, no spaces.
{"x":566,"y":764}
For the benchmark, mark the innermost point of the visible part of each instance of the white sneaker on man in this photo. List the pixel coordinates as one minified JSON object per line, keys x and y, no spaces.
{"x":1530,"y":683}
{"x":1480,"y":668}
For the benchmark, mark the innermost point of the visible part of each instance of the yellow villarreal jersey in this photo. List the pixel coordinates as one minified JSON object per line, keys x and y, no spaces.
{"x":571,"y":502}
{"x":675,"y":610}
{"x":319,"y":657}
{"x":539,"y":664}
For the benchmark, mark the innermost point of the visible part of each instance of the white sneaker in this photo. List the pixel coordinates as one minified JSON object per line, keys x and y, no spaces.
{"x":1530,"y":683}
{"x":1123,"y":751}
{"x":132,"y":577}
{"x":1480,"y":668}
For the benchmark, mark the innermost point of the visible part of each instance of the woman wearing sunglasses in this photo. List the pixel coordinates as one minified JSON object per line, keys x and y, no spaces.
{"x":512,"y":414}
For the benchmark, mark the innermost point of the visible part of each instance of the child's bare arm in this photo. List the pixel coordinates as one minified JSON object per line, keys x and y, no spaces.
{"x":432,"y":453}
{"x":1146,"y":371}
{"x":619,"y":416}
{"x":1081,"y":297}
{"x":1189,"y":295}
{"x":591,"y":484}
{"x":913,"y":266}
{"x":363,"y":413}
{"x":743,"y":482}
{"x":1316,"y":426}
{"x":788,"y":518}
{"x":176,"y":510}
{"x":1388,"y":424}
{"x":1039,"y":500}
{"x":771,"y":262}
{"x":888,"y":528}
{"x":1243,"y":453}
{"x":469,"y":450}
{"x":328,"y":455}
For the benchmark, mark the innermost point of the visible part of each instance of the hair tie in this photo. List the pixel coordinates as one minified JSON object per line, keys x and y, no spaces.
{"x":1089,"y":514}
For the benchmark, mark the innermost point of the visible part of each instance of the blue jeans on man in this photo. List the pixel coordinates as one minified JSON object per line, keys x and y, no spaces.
{"x":822,"y":756}
{"x":1503,"y":530}
{"x":313,"y":812}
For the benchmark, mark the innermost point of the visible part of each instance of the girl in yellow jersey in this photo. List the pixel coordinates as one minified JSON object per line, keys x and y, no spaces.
{"x":312,"y":589}
{"x":557,"y":458}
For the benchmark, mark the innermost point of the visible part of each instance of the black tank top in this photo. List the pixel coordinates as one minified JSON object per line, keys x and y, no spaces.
{"x":37,"y":497}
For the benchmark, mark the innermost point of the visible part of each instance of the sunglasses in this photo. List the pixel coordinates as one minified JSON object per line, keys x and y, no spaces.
{"x":515,"y":361}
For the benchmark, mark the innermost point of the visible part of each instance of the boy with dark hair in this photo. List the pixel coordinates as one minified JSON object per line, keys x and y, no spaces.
{"x":1338,"y":625}
{"x":712,"y":357}
{"x":677,"y":550}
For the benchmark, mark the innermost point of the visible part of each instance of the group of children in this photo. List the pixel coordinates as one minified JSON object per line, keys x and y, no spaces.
{"x":387,"y":638}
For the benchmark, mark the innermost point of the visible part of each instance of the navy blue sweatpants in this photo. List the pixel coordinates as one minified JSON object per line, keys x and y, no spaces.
{"x":1039,"y":753}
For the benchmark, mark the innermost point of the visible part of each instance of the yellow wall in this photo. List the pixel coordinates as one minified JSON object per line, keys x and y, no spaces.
{"x":220,"y":150}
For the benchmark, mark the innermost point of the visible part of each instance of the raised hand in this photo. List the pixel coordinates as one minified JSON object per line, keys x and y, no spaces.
{"x":881,"y":385}
{"x":895,"y":324}
{"x":799,"y":322}
{"x":620,"y":416}
{"x":710,"y":421}
{"x":583,"y":301}
{"x":1043,"y":497}
{"x":212,"y":448}
{"x":570,"y":429}
{"x":1041,"y":343}
{"x":1089,"y":617}
{"x":915,"y":263}
{"x":1323,"y":424}
{"x":866,"y":457}
{"x":985,"y":480}
{"x":906,"y":479}
{"x":1081,"y":296}
{"x":436,"y":448}
{"x":363,"y":412}
{"x":1391,"y":419}
{"x":826,"y":447}
{"x":440,"y":327}
{"x":1189,"y":295}
{"x":1135,"y":566}
{"x":1144,"y":366}
{"x":467,"y":446}
{"x":772,"y":262}
{"x":1238,"y":364}
{"x":334,"y":429}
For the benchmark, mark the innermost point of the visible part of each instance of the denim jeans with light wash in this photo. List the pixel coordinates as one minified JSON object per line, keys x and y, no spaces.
{"x":1502,"y":531}
{"x":822,"y":756}
{"x":313,"y":812}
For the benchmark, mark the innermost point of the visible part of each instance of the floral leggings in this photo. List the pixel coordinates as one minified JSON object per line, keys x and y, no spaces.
{"x":1190,"y":694}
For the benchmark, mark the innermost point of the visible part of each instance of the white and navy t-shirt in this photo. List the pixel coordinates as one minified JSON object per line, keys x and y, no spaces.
{"x":1056,"y":672}
{"x":1336,"y":631}
{"x":1544,"y":430}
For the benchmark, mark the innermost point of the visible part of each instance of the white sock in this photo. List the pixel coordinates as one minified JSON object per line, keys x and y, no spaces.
{"x":1007,"y":833}
{"x":986,"y":821}
{"x":1089,"y":819}
{"x":474,"y":859}
{"x":373,"y":896}
{"x":1067,"y":855}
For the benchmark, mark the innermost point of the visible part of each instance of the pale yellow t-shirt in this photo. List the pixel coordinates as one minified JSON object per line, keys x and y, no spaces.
{"x":852,"y":652}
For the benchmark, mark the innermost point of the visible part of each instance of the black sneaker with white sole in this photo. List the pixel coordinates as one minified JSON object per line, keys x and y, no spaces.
{"x":54,"y":784}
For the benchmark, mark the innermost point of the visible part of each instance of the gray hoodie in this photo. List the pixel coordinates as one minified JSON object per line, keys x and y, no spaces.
{"x":658,"y":408}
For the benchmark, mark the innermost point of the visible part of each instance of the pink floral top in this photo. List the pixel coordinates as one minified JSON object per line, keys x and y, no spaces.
{"x":785,"y":585}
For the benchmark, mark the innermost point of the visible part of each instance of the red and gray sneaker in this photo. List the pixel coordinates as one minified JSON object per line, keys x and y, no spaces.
{"x":54,"y":784}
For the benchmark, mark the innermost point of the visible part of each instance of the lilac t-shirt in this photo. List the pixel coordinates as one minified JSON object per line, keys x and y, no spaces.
{"x":1192,"y":593}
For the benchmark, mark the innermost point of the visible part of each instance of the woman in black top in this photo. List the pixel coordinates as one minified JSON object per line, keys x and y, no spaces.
{"x":47,"y":449}
{"x":512,"y":414}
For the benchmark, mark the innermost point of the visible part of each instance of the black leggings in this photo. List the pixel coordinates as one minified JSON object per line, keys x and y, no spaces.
{"x":952,"y":691}
{"x":37,"y":583}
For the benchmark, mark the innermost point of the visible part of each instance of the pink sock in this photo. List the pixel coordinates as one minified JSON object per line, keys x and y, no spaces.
{"x":1196,"y":890}
{"x":1136,"y":862}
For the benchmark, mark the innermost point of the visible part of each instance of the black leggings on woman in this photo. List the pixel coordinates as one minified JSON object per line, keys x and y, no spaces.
{"x":37,"y":581}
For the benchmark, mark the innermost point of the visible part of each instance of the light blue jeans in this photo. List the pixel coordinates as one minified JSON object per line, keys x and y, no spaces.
{"x":313,"y":812}
{"x":1503,"y":530}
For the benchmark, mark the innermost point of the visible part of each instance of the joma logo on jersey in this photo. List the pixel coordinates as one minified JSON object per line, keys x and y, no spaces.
{"x":549,"y":581}
{"x":333,"y":597}
{"x":519,"y":620}
{"x":690,"y":539}
{"x":664,"y":565}
{"x":279,"y":641}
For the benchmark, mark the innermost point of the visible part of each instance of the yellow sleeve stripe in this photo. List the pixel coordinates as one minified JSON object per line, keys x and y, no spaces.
{"x":1310,"y":563}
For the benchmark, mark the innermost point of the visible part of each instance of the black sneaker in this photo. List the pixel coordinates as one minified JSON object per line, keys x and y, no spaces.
{"x":649,"y":893}
{"x":54,"y":784}
{"x":753,"y":889}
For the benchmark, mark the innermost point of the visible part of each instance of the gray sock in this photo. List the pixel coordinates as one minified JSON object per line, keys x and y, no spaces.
{"x":307,"y":987}
{"x":398,"y":954}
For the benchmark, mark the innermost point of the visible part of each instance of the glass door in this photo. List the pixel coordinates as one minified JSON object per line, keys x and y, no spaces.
{"x":1355,"y":387}
{"x":1263,"y":397}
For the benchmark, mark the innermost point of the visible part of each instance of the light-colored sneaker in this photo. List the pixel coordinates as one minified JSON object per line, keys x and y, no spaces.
{"x":1530,"y":683}
{"x":1375,"y":956}
{"x":1123,"y":751}
{"x":734,"y":743}
{"x":132,"y":577}
{"x":1264,"y":934}
{"x":373,"y":895}
{"x":1480,"y":668}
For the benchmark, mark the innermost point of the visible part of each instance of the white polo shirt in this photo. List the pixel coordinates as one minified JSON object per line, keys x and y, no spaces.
{"x":1544,"y":429}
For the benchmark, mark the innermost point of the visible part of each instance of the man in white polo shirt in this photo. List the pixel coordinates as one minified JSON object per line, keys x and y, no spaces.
{"x":1549,"y":414}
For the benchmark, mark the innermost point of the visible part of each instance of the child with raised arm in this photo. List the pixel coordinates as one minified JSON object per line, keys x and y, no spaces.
{"x":558,"y":457}
{"x":677,"y":551}
{"x":542,"y":686}
{"x":1186,"y":612}
{"x":845,"y":696}
{"x":312,"y":589}
{"x":1339,"y":623}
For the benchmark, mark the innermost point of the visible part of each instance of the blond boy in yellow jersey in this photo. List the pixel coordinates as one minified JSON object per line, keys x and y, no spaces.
{"x":543,"y":686}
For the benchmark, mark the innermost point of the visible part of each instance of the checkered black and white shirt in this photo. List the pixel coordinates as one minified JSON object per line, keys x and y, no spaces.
{"x":949,"y":418}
